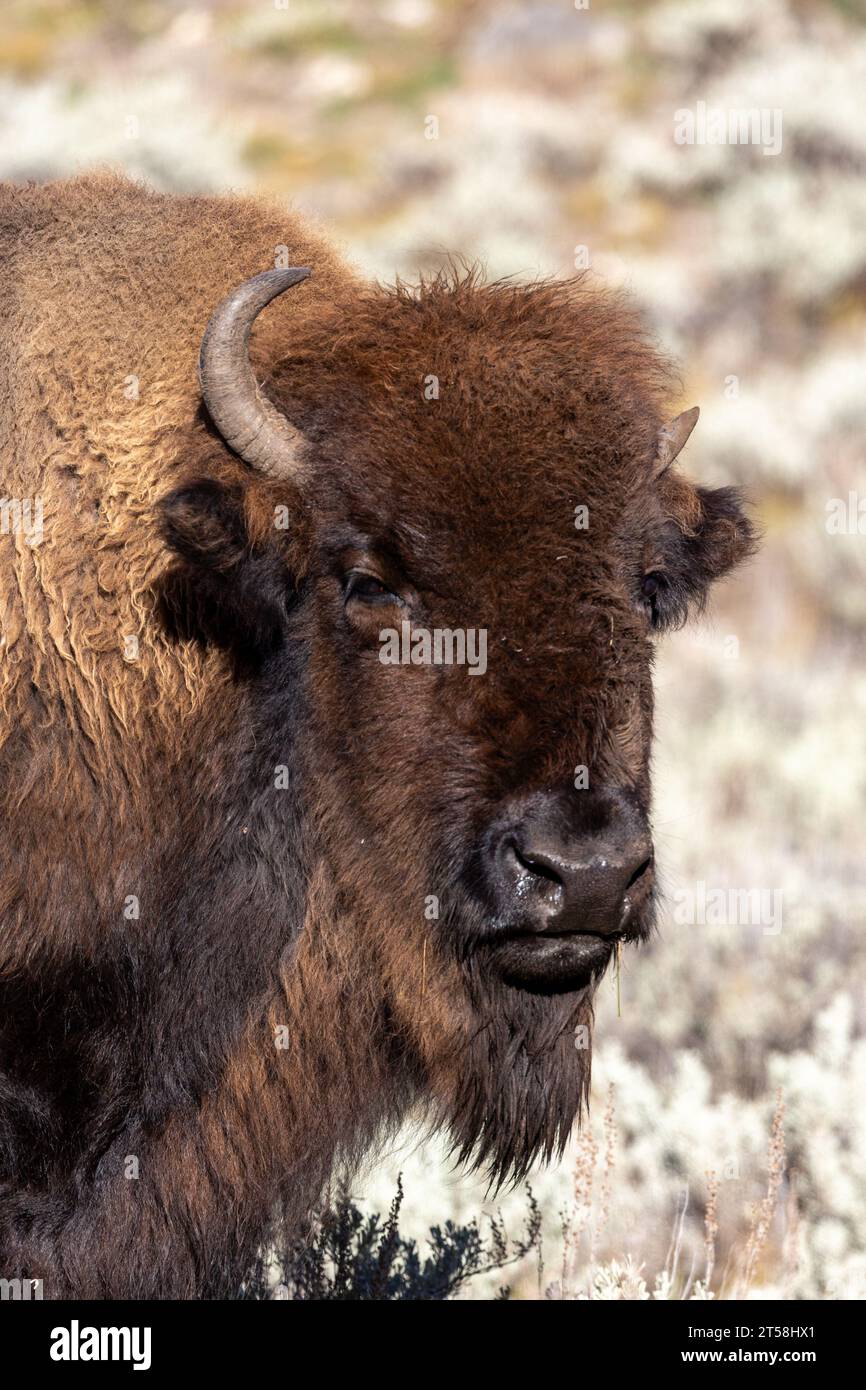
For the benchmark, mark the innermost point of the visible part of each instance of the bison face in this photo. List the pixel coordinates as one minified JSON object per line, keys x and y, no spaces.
{"x":490,"y":773}
{"x":483,"y":535}
{"x":480,"y":678}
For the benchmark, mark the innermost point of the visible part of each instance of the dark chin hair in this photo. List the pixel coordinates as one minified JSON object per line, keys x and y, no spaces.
{"x":521,"y":1081}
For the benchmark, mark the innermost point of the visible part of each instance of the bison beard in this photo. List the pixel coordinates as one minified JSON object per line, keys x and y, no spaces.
{"x":222,"y":813}
{"x":523,"y":1078}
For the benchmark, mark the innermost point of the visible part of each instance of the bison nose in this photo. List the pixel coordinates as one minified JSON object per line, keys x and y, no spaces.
{"x":554,"y":878}
{"x":582,"y":894}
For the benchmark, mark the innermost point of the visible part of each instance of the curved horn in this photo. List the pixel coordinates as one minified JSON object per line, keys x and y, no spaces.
{"x":672,"y":439}
{"x":248,"y":422}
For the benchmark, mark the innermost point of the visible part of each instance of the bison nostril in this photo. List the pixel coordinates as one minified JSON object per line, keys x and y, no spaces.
{"x":639,"y":872}
{"x":534,"y":880}
{"x":537,"y":867}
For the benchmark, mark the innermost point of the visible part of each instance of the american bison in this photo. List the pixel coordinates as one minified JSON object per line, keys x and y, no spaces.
{"x":263,"y":891}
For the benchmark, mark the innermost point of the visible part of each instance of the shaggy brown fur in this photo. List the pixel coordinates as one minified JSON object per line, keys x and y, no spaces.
{"x":220,"y":978}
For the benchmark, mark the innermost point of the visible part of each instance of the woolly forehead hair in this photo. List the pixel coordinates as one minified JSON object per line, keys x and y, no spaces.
{"x":558,"y":339}
{"x":503,"y":402}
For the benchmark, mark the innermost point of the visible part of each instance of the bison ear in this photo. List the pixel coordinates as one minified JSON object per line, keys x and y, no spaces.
{"x":204,"y":525}
{"x":708,"y":533}
{"x":717,"y":537}
{"x":723,"y":535}
{"x":225,"y":590}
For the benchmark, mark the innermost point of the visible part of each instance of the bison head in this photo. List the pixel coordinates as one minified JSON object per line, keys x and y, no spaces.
{"x":462,"y":534}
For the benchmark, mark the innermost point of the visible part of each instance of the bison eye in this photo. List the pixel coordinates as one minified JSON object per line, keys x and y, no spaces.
{"x":652,"y":590}
{"x":368,"y":589}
